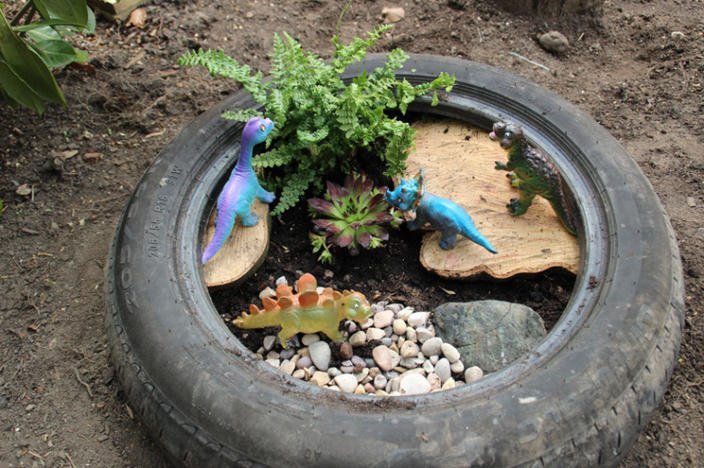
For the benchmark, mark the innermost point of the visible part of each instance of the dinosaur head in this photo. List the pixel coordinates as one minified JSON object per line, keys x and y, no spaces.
{"x":355,"y":306}
{"x":406,"y":195}
{"x":257,"y":130}
{"x":506,"y":133}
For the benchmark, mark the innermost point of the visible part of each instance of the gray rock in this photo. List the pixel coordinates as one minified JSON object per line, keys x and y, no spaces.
{"x":269,"y":341}
{"x":380,"y":381}
{"x":304,"y":362}
{"x":554,"y":41}
{"x":489,"y":334}
{"x":473,"y":374}
{"x":309,"y":339}
{"x":320,"y":354}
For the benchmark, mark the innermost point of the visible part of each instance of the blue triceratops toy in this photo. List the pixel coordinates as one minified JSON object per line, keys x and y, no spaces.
{"x":443,"y":215}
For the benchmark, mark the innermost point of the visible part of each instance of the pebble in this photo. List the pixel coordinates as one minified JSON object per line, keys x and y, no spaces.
{"x":409,"y":349}
{"x":267,"y":292}
{"x":387,"y":342}
{"x":435,"y":382}
{"x":473,"y":374}
{"x":410,"y":363}
{"x":287,"y":353}
{"x":299,"y":373}
{"x":382,"y":356}
{"x":418,"y":319}
{"x":320,"y":378}
{"x":346,"y":382}
{"x":404,"y":313}
{"x":399,"y":326}
{"x":384,"y":318}
{"x":375,"y":334}
{"x":395,"y":308}
{"x":554,"y":41}
{"x":361,"y":376}
{"x":392,"y":14}
{"x":360,"y":390}
{"x":450,"y":352}
{"x":281,"y":280}
{"x":369,"y":388}
{"x":424,"y":334}
{"x":457,"y":367}
{"x":320,"y":354}
{"x":411,"y":334}
{"x":358,"y":363}
{"x":679,"y":35}
{"x":358,"y":338}
{"x":380,"y":381}
{"x":308,"y":340}
{"x":449,"y":384}
{"x":346,"y":350}
{"x":413,"y":384}
{"x":268,"y":342}
{"x":273,"y":362}
{"x":303,"y":362}
{"x":442,"y":368}
{"x":334,"y":372}
{"x":288,"y":366}
{"x":428,"y":367}
{"x":432,"y":347}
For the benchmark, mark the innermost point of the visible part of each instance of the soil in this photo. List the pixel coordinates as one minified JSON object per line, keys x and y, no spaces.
{"x":638,"y":70}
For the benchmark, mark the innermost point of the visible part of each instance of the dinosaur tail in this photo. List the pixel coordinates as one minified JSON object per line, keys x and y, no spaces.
{"x":470,"y":231}
{"x":566,"y":208}
{"x":259,"y":319}
{"x":224,"y":222}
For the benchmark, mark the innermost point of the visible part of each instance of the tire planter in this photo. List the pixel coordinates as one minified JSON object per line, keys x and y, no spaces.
{"x":581,"y":397}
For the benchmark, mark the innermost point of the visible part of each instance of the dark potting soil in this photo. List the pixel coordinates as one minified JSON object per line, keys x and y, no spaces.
{"x":393,"y":273}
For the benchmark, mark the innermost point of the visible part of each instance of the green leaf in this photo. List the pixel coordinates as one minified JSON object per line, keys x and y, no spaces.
{"x":42,"y":32}
{"x":28,"y":65}
{"x":17,"y":90}
{"x":58,"y":53}
{"x":73,"y":12}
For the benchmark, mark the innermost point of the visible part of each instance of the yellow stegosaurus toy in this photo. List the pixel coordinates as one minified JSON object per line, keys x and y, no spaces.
{"x":307,"y":311}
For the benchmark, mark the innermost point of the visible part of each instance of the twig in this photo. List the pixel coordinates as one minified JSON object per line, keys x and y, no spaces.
{"x":78,"y":377}
{"x":339,"y":19}
{"x":68,"y":457}
{"x":530,"y":61}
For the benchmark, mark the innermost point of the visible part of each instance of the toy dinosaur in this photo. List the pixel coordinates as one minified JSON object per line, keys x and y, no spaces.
{"x":307,"y":311}
{"x":241,"y":189}
{"x":533,"y":173}
{"x":442,"y":214}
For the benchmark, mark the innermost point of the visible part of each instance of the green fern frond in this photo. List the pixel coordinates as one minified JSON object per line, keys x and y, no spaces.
{"x":241,"y":115}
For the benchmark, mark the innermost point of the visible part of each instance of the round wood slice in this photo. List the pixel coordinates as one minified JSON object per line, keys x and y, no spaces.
{"x":243,"y":251}
{"x":458,"y":161}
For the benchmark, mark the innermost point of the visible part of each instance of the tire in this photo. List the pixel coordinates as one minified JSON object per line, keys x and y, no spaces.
{"x":580,"y":397}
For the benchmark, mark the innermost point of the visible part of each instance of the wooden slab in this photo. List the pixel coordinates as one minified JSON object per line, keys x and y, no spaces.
{"x":243,"y":251}
{"x":458,"y":161}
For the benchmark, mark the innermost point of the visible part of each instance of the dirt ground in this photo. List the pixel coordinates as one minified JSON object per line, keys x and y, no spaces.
{"x":639,"y":71}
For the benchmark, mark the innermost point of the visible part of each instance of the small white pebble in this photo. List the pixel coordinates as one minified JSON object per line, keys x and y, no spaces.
{"x":267,"y":292}
{"x":358,"y":338}
{"x":299,"y":374}
{"x":273,"y":362}
{"x":309,"y":339}
{"x":320,"y":378}
{"x":404,"y":313}
{"x":320,"y":354}
{"x":411,"y":334}
{"x":450,"y":352}
{"x":418,"y":319}
{"x":268,"y":342}
{"x":472,"y":374}
{"x":457,"y":367}
{"x":383,"y":319}
{"x":413,"y":384}
{"x":399,"y":327}
{"x":346,"y":382}
{"x":432,"y":347}
{"x":287,"y":367}
{"x":449,"y":384}
{"x":281,"y":280}
{"x":424,"y":334}
{"x":409,"y":349}
{"x":394,"y":307}
{"x":374,"y":333}
{"x":442,"y":368}
{"x":434,"y":380}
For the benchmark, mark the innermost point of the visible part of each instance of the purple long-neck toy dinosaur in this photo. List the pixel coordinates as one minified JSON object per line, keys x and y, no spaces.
{"x":241,"y":189}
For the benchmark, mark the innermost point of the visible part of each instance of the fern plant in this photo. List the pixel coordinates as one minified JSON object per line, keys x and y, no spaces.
{"x":321,"y":123}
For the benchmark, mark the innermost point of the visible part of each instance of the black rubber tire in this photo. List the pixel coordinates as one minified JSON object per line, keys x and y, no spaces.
{"x":581,"y":397}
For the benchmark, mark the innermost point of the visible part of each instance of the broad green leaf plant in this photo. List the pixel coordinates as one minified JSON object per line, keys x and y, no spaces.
{"x":29,"y":49}
{"x":321,"y":123}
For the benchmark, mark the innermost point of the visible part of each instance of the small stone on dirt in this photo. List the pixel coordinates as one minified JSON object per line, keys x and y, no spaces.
{"x":392,"y":14}
{"x":691,"y":202}
{"x":24,"y":190}
{"x":137,"y":18}
{"x":554,"y":41}
{"x":677,"y":35}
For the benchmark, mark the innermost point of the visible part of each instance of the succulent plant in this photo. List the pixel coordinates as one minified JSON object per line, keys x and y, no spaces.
{"x":351,"y":216}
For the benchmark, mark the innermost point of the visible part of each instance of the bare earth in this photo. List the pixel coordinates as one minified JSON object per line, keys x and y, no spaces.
{"x":639,"y":72}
